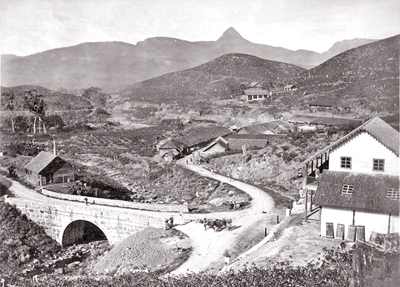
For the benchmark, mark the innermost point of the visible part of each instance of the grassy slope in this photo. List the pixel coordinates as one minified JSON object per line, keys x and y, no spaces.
{"x":56,"y":101}
{"x":366,"y":77}
{"x":22,"y":240}
{"x":219,"y":78}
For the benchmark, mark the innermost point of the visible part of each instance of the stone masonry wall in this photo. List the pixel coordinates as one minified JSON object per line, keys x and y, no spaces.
{"x":116,"y":223}
{"x":119,"y":203}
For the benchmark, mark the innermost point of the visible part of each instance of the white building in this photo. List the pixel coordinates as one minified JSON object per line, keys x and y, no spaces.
{"x":358,"y":190}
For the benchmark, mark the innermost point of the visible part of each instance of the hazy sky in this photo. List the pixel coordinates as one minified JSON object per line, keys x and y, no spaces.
{"x":31,"y":26}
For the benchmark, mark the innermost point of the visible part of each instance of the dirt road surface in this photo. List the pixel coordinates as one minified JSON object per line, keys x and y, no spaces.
{"x":209,"y":246}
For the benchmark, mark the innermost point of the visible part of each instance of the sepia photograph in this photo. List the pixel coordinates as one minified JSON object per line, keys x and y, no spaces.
{"x":199,"y":143}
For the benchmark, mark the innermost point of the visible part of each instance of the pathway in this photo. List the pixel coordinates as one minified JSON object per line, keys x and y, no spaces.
{"x":208,"y":246}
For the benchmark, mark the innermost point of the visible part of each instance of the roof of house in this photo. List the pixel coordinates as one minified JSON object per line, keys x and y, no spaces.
{"x":254,"y":137}
{"x":203,"y":135}
{"x":268,"y":126}
{"x":377,"y":128}
{"x":369,"y":193}
{"x":253,"y":84}
{"x":172,"y":153}
{"x":220,"y":140}
{"x":326,"y":102}
{"x":172,"y":144}
{"x":328,"y":121}
{"x":40,"y":162}
{"x":256,"y":92}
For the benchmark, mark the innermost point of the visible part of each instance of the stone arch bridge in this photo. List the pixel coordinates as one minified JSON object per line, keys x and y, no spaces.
{"x":72,"y":222}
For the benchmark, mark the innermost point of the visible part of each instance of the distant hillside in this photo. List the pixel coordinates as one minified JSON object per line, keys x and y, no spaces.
{"x":56,"y":101}
{"x":7,"y":57}
{"x":112,"y":65}
{"x":219,"y":78}
{"x":367,"y":77}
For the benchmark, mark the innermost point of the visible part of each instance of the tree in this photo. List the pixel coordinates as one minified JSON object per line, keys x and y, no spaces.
{"x":8,"y":103}
{"x":33,"y":102}
{"x":95,"y":96}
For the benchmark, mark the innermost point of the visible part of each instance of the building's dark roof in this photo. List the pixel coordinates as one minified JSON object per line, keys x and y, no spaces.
{"x":254,"y":92}
{"x":172,"y":144}
{"x":369,"y":192}
{"x":274,"y":126}
{"x":40,"y":162}
{"x":377,"y":128}
{"x":326,"y":102}
{"x":289,"y":86}
{"x":253,"y":85}
{"x":255,"y":137}
{"x":328,"y":121}
{"x":204,"y":135}
{"x":220,"y":140}
{"x":172,"y":153}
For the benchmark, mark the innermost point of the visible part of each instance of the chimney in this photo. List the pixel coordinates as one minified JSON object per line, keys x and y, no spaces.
{"x":54,"y":147}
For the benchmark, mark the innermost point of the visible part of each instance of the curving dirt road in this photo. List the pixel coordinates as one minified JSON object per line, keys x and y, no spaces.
{"x":208,"y":246}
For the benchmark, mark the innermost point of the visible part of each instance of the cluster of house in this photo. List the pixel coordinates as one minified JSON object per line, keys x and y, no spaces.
{"x":211,"y":140}
{"x":355,"y":182}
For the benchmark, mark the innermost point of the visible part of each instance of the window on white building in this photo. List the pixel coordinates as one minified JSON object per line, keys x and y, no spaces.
{"x":347,"y":189}
{"x":345,"y":162}
{"x":393,"y":193}
{"x":379,"y":165}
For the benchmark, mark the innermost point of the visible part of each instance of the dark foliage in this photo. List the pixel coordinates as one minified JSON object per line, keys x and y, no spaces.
{"x":332,"y":269}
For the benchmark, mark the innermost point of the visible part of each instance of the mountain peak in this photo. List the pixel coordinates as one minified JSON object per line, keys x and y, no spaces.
{"x":230,"y":34}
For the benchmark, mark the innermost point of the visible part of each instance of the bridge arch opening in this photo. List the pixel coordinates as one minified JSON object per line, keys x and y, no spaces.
{"x":81,"y":231}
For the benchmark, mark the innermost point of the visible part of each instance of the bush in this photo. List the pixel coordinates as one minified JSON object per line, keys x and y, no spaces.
{"x":332,"y":269}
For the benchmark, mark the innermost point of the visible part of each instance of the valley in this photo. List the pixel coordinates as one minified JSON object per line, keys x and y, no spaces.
{"x":218,"y":130}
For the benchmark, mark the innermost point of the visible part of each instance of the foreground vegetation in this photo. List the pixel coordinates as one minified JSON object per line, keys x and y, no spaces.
{"x":332,"y":269}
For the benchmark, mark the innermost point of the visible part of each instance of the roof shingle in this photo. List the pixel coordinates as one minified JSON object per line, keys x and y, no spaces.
{"x":369,"y":194}
{"x":40,"y":162}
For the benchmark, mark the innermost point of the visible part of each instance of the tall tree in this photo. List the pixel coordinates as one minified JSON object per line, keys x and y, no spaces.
{"x":95,"y":96}
{"x":7,"y":99}
{"x":33,"y":102}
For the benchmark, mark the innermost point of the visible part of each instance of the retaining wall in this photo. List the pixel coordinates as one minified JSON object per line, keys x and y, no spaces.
{"x":119,"y":203}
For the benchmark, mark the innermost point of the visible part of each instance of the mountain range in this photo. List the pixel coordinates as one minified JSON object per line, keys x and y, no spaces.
{"x":114,"y":65}
{"x":366,"y":76}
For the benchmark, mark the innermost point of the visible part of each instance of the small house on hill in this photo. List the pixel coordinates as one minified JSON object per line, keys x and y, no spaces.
{"x":169,"y":149}
{"x":201,"y":138}
{"x":48,"y":168}
{"x":256,"y":94}
{"x":290,"y":88}
{"x":358,"y":190}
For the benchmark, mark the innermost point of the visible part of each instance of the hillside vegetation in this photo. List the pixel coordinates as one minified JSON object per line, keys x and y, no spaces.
{"x":55,"y":100}
{"x":224,"y":77}
{"x":22,"y":240}
{"x":366,"y":77}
